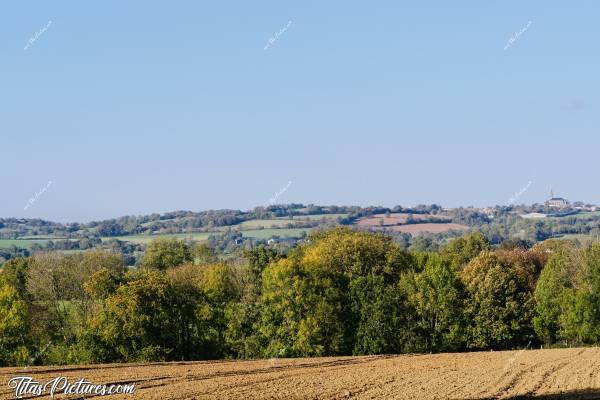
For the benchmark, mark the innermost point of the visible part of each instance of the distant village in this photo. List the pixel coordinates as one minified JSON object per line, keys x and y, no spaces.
{"x":554,"y":205}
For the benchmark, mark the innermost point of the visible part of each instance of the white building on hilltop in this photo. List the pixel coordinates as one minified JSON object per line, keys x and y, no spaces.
{"x":556,"y":202}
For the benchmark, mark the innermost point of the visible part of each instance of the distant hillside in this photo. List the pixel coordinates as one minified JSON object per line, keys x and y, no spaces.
{"x":228,"y":231}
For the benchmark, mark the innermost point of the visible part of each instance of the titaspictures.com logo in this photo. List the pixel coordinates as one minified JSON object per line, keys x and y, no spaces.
{"x":27,"y":386}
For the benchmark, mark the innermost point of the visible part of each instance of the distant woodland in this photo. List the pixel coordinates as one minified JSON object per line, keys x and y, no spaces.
{"x":338,"y":291}
{"x":231,"y":232}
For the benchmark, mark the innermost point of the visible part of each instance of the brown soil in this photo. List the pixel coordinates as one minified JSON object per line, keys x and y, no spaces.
{"x":432,"y":228}
{"x":398,"y":222}
{"x":539,"y":374}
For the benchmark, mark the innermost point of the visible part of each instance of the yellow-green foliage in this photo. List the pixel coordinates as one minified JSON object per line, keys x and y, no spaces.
{"x":13,"y":326}
{"x":341,"y":292}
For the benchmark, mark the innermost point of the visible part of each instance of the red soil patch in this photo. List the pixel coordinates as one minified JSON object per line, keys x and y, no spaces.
{"x":432,"y":228}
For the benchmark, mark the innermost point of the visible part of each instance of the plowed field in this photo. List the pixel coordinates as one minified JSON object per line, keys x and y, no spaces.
{"x":539,"y":374}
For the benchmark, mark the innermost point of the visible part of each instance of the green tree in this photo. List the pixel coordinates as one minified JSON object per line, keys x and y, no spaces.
{"x":258,"y":259}
{"x":48,"y":286}
{"x":352,"y":253}
{"x":302,"y":310}
{"x":15,"y":274}
{"x":163,"y":253}
{"x":436,"y":297}
{"x":204,"y":254}
{"x":60,"y":305}
{"x":381,"y":315}
{"x":196,"y":333}
{"x":580,"y":315}
{"x":242,"y":316}
{"x":500,"y":303}
{"x":578,"y":319}
{"x":103,"y":283}
{"x":14,"y":326}
{"x":554,"y":279}
{"x":241,"y":338}
{"x":153,"y":317}
{"x":220,"y":288}
{"x":461,"y":251}
{"x":313,"y":301}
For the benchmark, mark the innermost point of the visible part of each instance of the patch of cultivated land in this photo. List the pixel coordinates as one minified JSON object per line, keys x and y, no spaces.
{"x":395,"y":219}
{"x":432,"y":228}
{"x":399,"y":222}
{"x":543,"y":374}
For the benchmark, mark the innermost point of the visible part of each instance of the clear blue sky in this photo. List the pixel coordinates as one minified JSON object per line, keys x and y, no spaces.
{"x":133,"y":107}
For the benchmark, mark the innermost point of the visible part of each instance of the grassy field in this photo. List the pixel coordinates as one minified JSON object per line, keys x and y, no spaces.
{"x":264,"y":223}
{"x":249,"y":229}
{"x":581,"y":237}
{"x":21,"y":243}
{"x":590,"y":214}
{"x":26,"y":242}
{"x":40,"y":237}
{"x":583,"y":215}
{"x":315,"y":217}
{"x":144,"y":239}
{"x":200,"y":236}
{"x":257,"y":228}
{"x":268,"y":233}
{"x":282,"y":222}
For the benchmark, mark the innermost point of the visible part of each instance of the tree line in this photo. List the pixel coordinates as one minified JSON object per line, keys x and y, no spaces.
{"x":344,"y":292}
